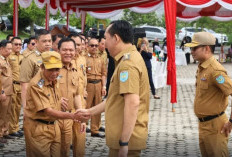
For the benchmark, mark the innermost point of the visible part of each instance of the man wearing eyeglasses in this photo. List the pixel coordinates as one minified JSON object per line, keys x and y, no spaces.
{"x":30,"y":46}
{"x":14,"y":59}
{"x":213,"y":86}
{"x":96,"y":77}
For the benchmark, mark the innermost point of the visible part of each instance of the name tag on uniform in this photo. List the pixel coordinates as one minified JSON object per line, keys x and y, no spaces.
{"x":203,"y":79}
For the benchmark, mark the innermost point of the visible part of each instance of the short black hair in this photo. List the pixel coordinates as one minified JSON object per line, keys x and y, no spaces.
{"x":66,"y":40}
{"x":41,"y":32}
{"x":15,"y":38}
{"x":74,"y":35}
{"x":31,"y":38}
{"x":54,"y":37}
{"x":212,"y":48}
{"x":92,"y":39}
{"x":123,"y":29}
{"x":3,"y":43}
{"x":101,"y":39}
{"x":8,"y":36}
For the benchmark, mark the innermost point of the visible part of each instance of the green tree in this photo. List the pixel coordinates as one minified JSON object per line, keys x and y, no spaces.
{"x":137,"y":19}
{"x":27,"y":16}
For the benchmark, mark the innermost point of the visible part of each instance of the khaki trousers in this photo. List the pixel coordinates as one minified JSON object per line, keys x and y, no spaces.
{"x":212,"y":142}
{"x":94,"y":98}
{"x":78,"y":140}
{"x":15,"y":110}
{"x":131,"y":153}
{"x":65,"y":126}
{"x":42,"y":139}
{"x":5,"y":116}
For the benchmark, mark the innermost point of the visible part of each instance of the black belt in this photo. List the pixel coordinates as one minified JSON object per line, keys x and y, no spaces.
{"x":210,"y":117}
{"x":16,"y":82}
{"x":45,"y":122}
{"x":94,"y":81}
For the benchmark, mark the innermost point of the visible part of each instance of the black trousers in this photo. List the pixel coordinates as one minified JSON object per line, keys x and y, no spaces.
{"x":151,"y":81}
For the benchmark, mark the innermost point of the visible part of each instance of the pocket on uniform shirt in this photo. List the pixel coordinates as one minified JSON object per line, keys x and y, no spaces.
{"x":204,"y":85}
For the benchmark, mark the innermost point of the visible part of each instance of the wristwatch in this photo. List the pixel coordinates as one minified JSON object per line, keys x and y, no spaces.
{"x":123,"y":143}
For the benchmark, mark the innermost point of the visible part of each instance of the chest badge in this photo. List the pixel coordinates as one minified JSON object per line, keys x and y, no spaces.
{"x":220,"y":79}
{"x":124,"y":75}
{"x":41,"y":83}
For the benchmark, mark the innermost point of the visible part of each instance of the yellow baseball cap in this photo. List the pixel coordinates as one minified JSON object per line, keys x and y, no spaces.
{"x":202,"y":38}
{"x":51,"y":60}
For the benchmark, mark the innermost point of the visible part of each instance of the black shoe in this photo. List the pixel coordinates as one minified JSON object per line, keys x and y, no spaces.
{"x":102,"y":129}
{"x":1,"y":145}
{"x":21,"y":133}
{"x":98,"y":135}
{"x":9,"y":137}
{"x":16,"y":134}
{"x":71,"y":147}
{"x":88,"y":130}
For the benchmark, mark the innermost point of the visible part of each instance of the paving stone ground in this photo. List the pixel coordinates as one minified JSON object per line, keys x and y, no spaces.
{"x":170,"y":134}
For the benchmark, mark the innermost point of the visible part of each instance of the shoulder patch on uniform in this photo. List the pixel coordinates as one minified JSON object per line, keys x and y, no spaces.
{"x":220,"y":79}
{"x":124,"y":75}
{"x":126,"y":56}
{"x":41,"y":83}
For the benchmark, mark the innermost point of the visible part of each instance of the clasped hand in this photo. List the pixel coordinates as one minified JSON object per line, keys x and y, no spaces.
{"x":82,"y":115}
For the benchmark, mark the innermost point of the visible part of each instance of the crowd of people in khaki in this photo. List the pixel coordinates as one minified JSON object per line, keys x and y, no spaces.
{"x":56,"y":77}
{"x":60,"y":80}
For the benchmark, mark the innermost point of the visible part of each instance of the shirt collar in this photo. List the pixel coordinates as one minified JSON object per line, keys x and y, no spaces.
{"x":70,"y":67}
{"x":46,"y":82}
{"x":120,"y":54}
{"x":206,"y":63}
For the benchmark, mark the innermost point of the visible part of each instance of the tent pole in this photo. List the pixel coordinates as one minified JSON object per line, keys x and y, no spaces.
{"x":15,"y":18}
{"x":170,"y":20}
{"x":83,"y":19}
{"x":47,"y":16}
{"x":67,"y":20}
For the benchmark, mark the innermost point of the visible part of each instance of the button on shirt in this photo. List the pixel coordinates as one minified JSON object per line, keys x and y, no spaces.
{"x":41,"y":95}
{"x":68,"y":84}
{"x":15,"y":60}
{"x":130,"y":76}
{"x":95,"y":67}
{"x":213,"y":86}
{"x":6,"y":76}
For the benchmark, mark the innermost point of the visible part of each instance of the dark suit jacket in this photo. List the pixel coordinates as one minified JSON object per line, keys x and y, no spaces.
{"x":147,"y":58}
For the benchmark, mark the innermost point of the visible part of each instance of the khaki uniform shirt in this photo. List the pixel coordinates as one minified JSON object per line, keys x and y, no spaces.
{"x":80,"y":63}
{"x":95,"y":67}
{"x":15,"y":61}
{"x":103,"y":55}
{"x":6,"y":76}
{"x":30,"y":65}
{"x":130,"y":76}
{"x":41,"y":95}
{"x":213,"y":86}
{"x":68,"y":83}
{"x":26,"y":52}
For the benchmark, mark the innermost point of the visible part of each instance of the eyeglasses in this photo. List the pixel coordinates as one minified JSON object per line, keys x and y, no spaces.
{"x":32,"y":44}
{"x":196,"y":47}
{"x":17,"y":44}
{"x":93,"y":45}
